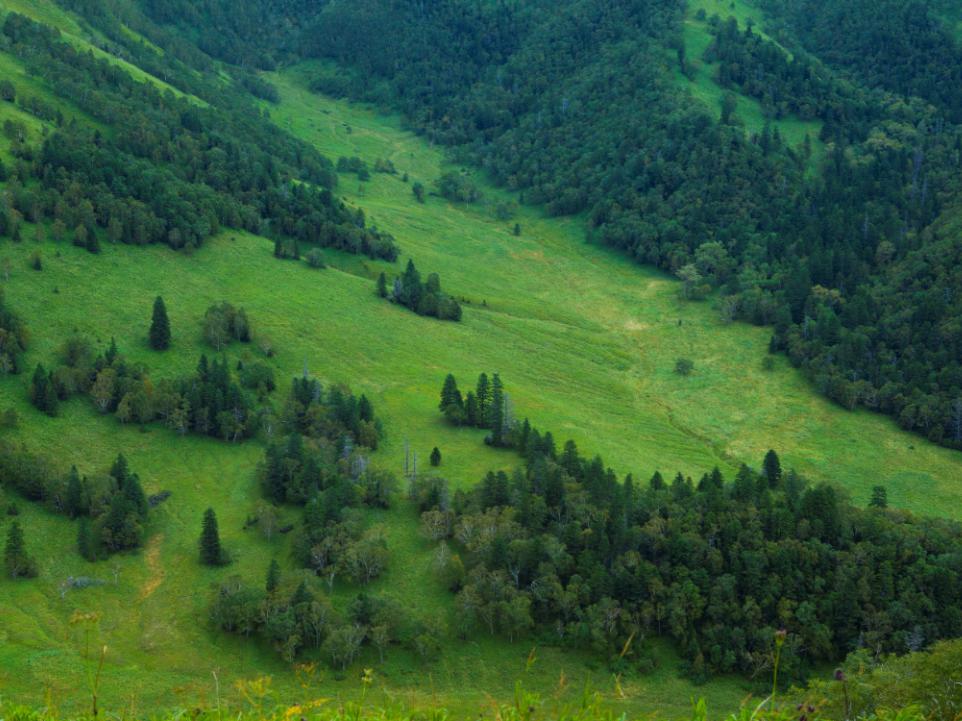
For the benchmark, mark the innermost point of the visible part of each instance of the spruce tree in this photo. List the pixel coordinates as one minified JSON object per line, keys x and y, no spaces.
{"x":483,"y":394}
{"x":74,"y":503}
{"x":436,"y":457}
{"x":273,"y":576}
{"x":85,"y":541}
{"x":880,"y":497}
{"x":160,"y":326}
{"x":382,"y":285}
{"x":211,"y":553}
{"x":450,"y":395}
{"x":496,"y":411}
{"x":16,"y":561}
{"x":772,"y":468}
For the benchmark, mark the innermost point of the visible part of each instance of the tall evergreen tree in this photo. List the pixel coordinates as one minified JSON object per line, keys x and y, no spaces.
{"x":74,"y":503}
{"x":436,"y":457}
{"x":16,"y":561}
{"x":772,"y":468}
{"x":483,"y":393}
{"x":880,"y":497}
{"x":496,"y":411}
{"x":86,"y":545}
{"x":273,"y":576}
{"x":160,"y":326}
{"x":450,"y":395}
{"x":211,"y":553}
{"x":382,"y":285}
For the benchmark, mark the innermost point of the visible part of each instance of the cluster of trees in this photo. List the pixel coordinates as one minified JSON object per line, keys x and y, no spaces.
{"x":487,"y":406}
{"x":297,"y":618}
{"x":211,"y":402}
{"x":334,"y":415}
{"x":562,"y":549}
{"x":13,"y":339}
{"x":224,"y":323}
{"x":170,"y":171}
{"x":423,"y":298}
{"x":111,"y":507}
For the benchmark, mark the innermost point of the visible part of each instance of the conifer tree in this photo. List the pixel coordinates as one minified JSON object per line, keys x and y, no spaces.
{"x":382,"y":285}
{"x":450,"y":395}
{"x":436,"y":457}
{"x":85,"y":541}
{"x":880,"y":498}
{"x":483,"y":393}
{"x":160,"y":326}
{"x":211,"y":553}
{"x":16,"y":561}
{"x":74,"y":503}
{"x":496,"y":411}
{"x":273,"y":576}
{"x":772,"y":468}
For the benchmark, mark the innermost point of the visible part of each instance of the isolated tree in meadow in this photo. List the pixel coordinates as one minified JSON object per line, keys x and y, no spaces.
{"x":880,"y":497}
{"x":418,"y":191}
{"x":436,"y":457}
{"x":160,"y":326}
{"x":382,"y":285}
{"x":772,"y":468}
{"x":16,"y":561}
{"x":211,"y":553}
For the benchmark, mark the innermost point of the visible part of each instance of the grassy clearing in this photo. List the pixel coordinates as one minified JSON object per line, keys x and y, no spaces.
{"x":585,"y":340}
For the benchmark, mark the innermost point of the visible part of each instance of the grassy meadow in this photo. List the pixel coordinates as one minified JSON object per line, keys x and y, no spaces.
{"x":585,"y":341}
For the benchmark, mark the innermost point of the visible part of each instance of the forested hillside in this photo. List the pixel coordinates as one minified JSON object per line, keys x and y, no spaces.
{"x":548,"y":99}
{"x":222,"y":451}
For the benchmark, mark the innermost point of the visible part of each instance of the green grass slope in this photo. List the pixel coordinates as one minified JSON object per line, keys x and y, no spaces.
{"x":585,"y":341}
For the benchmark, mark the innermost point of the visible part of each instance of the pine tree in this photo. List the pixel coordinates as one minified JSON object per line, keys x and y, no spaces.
{"x":85,"y":541}
{"x":496,"y":412}
{"x":273,"y":576}
{"x":436,"y":457}
{"x":772,"y":469}
{"x":382,"y":285}
{"x":160,"y":326}
{"x":483,"y":393}
{"x":211,"y":553}
{"x":301,"y":595}
{"x":74,"y":503}
{"x":450,"y":395}
{"x":16,"y":561}
{"x":657,"y":482}
{"x":880,"y":497}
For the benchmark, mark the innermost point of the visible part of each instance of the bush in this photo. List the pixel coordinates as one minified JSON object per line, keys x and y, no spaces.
{"x":684,"y":366}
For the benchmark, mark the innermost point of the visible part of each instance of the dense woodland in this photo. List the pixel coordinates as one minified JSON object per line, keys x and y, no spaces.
{"x":564,"y":550}
{"x":170,"y":170}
